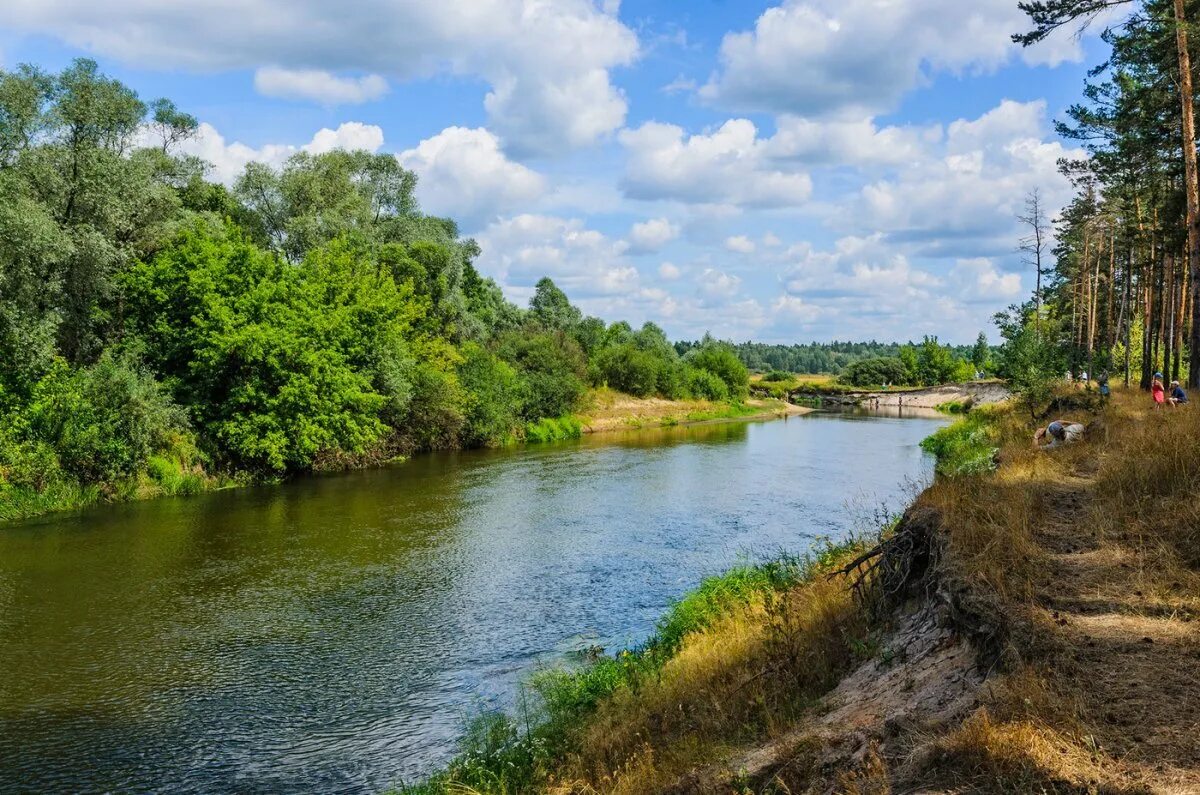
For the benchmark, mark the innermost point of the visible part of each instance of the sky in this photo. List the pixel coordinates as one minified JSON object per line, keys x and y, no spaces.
{"x":777,"y":171}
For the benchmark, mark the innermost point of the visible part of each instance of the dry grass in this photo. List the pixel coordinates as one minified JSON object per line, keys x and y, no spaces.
{"x":746,"y":678}
{"x":1083,"y":562}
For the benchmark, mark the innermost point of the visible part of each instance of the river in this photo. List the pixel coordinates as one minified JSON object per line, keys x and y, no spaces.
{"x":332,"y":633}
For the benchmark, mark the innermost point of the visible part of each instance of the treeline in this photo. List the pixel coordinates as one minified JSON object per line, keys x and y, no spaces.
{"x":1117,"y":289}
{"x":819,"y":357}
{"x":157,"y":328}
{"x":928,"y":364}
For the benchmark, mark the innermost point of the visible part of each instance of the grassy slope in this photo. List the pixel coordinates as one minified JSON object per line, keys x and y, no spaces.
{"x":606,"y":410}
{"x":1070,"y":583}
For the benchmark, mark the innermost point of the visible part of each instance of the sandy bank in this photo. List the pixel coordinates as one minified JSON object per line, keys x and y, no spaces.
{"x":612,"y":411}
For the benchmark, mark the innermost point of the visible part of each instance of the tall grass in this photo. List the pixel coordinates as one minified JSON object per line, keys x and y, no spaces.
{"x":550,"y":429}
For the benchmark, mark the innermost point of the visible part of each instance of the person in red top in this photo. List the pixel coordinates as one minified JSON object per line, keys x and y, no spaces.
{"x":1157,"y":390}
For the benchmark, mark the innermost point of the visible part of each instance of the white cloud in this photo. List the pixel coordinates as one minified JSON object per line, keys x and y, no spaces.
{"x":229,"y":159}
{"x":669,"y":272}
{"x":855,"y":142}
{"x":547,"y":63}
{"x":647,"y":237}
{"x":729,"y":166}
{"x":350,"y":135}
{"x":963,"y":198}
{"x":740,"y":244}
{"x":859,"y":57}
{"x":464,"y":174}
{"x":717,"y":286}
{"x":978,"y":281}
{"x":520,"y":250}
{"x":319,"y":86}
{"x":793,"y":309}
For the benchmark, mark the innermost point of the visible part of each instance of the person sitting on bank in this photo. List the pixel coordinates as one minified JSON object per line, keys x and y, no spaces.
{"x":1177,"y":397}
{"x":1059,"y":432}
{"x":1157,"y":391}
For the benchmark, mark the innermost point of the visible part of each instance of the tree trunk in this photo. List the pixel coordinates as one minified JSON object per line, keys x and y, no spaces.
{"x":1190,"y":171}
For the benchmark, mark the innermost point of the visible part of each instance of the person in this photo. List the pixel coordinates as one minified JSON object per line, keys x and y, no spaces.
{"x":1178,"y":397}
{"x":1102,"y":381}
{"x":1083,"y":377}
{"x":1156,"y":389}
{"x":1059,"y":432}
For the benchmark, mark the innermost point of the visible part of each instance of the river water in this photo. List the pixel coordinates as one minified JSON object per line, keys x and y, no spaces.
{"x":332,"y":634}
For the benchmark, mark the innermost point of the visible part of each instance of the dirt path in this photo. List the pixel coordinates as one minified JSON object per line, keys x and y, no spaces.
{"x":1128,"y":644}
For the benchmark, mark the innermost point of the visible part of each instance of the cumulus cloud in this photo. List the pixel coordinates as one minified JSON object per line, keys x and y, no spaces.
{"x":229,"y":159}
{"x":319,"y":86}
{"x":717,"y":286}
{"x":548,"y":63}
{"x":647,"y":237}
{"x":520,"y":250}
{"x":464,"y":174}
{"x":739,"y":244}
{"x":859,"y":57}
{"x":729,"y":166}
{"x":979,"y":281}
{"x":963,"y":198}
{"x":669,"y":271}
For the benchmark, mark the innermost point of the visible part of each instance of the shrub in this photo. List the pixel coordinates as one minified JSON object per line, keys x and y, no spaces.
{"x":492,"y":397}
{"x":105,"y":421}
{"x":776,"y":376}
{"x":705,"y":385}
{"x":873,"y":372}
{"x":721,"y":360}
{"x":552,"y":371}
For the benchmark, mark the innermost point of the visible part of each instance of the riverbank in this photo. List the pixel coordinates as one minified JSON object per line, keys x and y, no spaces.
{"x":607,"y":411}
{"x":604,"y":410}
{"x":1024,"y":628}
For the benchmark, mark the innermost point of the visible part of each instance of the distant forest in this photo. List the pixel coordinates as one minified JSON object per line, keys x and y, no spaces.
{"x":816,"y":357}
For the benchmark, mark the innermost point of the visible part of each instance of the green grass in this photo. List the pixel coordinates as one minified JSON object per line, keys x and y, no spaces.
{"x":553,"y":430}
{"x":967,"y":447}
{"x":953,"y":407}
{"x":514,"y":753}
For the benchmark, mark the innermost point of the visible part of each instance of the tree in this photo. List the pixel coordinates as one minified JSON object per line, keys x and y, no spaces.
{"x":1050,"y":15}
{"x":1034,"y":243}
{"x":552,"y":308}
{"x":981,"y":353}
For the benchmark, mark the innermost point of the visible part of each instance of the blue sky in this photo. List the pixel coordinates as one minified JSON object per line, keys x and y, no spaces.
{"x":782,"y":171}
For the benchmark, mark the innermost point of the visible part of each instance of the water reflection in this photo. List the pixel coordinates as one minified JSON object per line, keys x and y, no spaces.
{"x":329,"y":634}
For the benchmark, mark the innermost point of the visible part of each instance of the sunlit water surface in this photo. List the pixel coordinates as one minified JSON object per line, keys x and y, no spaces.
{"x":331,"y":634}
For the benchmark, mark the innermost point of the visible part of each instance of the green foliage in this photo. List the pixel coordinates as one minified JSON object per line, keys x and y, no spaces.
{"x":875,"y":372}
{"x":1030,"y":359}
{"x":967,"y":447}
{"x":492,"y":390}
{"x":277,"y":362}
{"x":549,"y":429}
{"x":705,"y":385}
{"x":103,"y":422}
{"x":776,"y":376}
{"x":720,"y":360}
{"x":552,"y":371}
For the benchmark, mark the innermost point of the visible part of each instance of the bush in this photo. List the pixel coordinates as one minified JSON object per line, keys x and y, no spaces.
{"x":775,"y":376}
{"x":721,"y":360}
{"x":705,"y":385}
{"x":105,"y":421}
{"x":631,"y":370}
{"x":552,"y":371}
{"x":492,"y":397}
{"x":874,"y":372}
